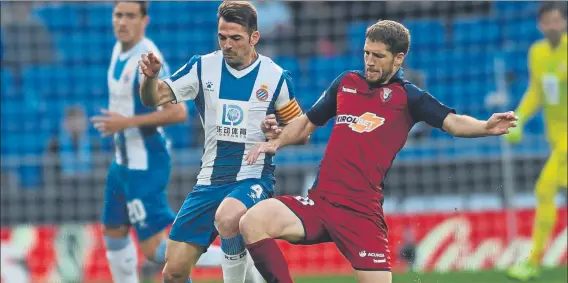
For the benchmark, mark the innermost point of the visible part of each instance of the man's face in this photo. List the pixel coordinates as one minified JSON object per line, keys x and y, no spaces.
{"x":236,"y":44}
{"x":379,"y":62}
{"x":76,"y":124}
{"x":128,"y":22}
{"x":552,"y":24}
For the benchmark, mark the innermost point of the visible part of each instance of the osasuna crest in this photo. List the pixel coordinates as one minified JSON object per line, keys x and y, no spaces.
{"x":386,"y":94}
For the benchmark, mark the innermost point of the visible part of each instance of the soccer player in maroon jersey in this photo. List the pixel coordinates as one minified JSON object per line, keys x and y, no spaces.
{"x":374,"y":112}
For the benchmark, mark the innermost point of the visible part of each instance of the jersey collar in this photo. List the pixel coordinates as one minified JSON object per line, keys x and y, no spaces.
{"x":241,"y":73}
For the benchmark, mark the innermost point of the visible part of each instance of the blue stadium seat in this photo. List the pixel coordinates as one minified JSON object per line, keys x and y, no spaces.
{"x":90,"y":46}
{"x":509,"y":9}
{"x":426,"y":33}
{"x":521,"y":33}
{"x":475,"y":31}
{"x":323,"y":70}
{"x":192,"y":13}
{"x":356,"y":36}
{"x":60,"y":16}
{"x":291,"y":64}
{"x":7,"y":82}
{"x":51,"y":81}
{"x":99,"y":15}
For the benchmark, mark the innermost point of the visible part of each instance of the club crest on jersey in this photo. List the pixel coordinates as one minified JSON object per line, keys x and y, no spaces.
{"x":262,"y":93}
{"x":365,"y":123}
{"x":126,"y":77}
{"x":387,"y":94}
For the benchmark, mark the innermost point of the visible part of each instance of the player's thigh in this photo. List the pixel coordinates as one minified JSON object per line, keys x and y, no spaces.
{"x":292,"y":218}
{"x":361,"y":238}
{"x":115,"y":216}
{"x":373,"y":276}
{"x":147,"y":204}
{"x":181,"y":257}
{"x":194,"y":222}
{"x":243,"y":196}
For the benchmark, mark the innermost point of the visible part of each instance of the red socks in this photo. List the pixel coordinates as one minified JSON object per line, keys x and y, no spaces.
{"x":270,"y":261}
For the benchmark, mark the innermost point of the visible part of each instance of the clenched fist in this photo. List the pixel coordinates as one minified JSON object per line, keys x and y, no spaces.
{"x":150,"y":65}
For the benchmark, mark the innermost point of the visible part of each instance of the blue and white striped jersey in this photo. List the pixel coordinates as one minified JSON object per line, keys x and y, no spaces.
{"x":134,"y":147}
{"x":232,"y":104}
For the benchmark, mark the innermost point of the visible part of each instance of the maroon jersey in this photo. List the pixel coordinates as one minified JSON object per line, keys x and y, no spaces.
{"x":371,"y":127}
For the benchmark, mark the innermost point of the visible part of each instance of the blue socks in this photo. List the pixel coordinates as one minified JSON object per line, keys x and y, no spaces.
{"x":116,"y":244}
{"x":160,"y":255}
{"x":233,"y":246}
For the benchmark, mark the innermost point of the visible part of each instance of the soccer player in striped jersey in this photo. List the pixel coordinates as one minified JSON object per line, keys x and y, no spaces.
{"x":135,"y":191}
{"x":233,"y":89}
{"x":547,"y":90}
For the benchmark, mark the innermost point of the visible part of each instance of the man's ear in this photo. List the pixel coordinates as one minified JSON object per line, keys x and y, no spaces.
{"x":399,"y":59}
{"x":254,"y":38}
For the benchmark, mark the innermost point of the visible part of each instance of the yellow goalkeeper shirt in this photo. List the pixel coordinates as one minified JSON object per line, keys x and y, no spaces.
{"x":547,"y":88}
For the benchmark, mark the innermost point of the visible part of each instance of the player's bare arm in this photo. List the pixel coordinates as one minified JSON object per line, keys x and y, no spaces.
{"x":464,"y":126}
{"x":296,"y":132}
{"x":111,"y":122}
{"x":153,"y":92}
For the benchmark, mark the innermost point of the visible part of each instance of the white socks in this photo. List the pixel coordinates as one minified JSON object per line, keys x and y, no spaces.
{"x":123,"y":263}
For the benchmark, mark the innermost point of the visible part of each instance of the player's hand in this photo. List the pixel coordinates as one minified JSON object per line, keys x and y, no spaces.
{"x":269,"y":127}
{"x":514,"y":136}
{"x":257,"y":149}
{"x":110,"y":123}
{"x":500,"y":123}
{"x":150,"y":65}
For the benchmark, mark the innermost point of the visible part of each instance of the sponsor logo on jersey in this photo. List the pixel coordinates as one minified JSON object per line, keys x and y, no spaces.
{"x":361,"y":124}
{"x":262,"y":93}
{"x":232,"y":115}
{"x":349,"y":90}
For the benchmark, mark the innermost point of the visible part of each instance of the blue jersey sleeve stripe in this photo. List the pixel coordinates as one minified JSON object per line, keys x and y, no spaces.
{"x":199,"y":99}
{"x":185,"y":69}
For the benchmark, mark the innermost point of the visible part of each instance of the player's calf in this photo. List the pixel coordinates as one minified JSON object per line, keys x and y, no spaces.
{"x":180,"y":260}
{"x":232,"y":243}
{"x":121,"y":254}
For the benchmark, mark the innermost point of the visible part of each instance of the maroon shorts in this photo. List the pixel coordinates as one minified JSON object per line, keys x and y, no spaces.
{"x":361,"y":238}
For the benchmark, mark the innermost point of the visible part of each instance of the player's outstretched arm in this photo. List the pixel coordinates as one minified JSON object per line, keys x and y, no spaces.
{"x":468,"y":127}
{"x":153,"y":92}
{"x":295,"y":132}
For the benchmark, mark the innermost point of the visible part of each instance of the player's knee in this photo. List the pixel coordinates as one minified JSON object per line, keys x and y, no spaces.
{"x":227,"y":220}
{"x":172,"y":274}
{"x":115,"y":232}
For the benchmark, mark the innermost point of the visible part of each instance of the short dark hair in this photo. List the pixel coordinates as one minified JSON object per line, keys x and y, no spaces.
{"x":393,"y":34}
{"x":143,"y":6}
{"x":239,"y":12}
{"x":548,"y":6}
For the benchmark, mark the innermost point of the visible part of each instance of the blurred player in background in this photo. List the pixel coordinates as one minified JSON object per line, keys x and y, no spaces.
{"x":375,"y":110}
{"x":136,"y":184}
{"x":233,"y":90}
{"x":547,"y":90}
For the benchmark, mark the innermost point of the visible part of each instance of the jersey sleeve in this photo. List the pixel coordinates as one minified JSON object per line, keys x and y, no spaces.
{"x":424,"y":107}
{"x":185,"y":81}
{"x":325,"y":107}
{"x":286,"y":106}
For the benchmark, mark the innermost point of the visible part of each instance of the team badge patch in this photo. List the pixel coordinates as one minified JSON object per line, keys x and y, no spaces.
{"x":387,"y":94}
{"x":262,"y":93}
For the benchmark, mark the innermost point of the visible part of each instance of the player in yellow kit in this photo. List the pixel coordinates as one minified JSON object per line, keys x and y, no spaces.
{"x":547,"y":91}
